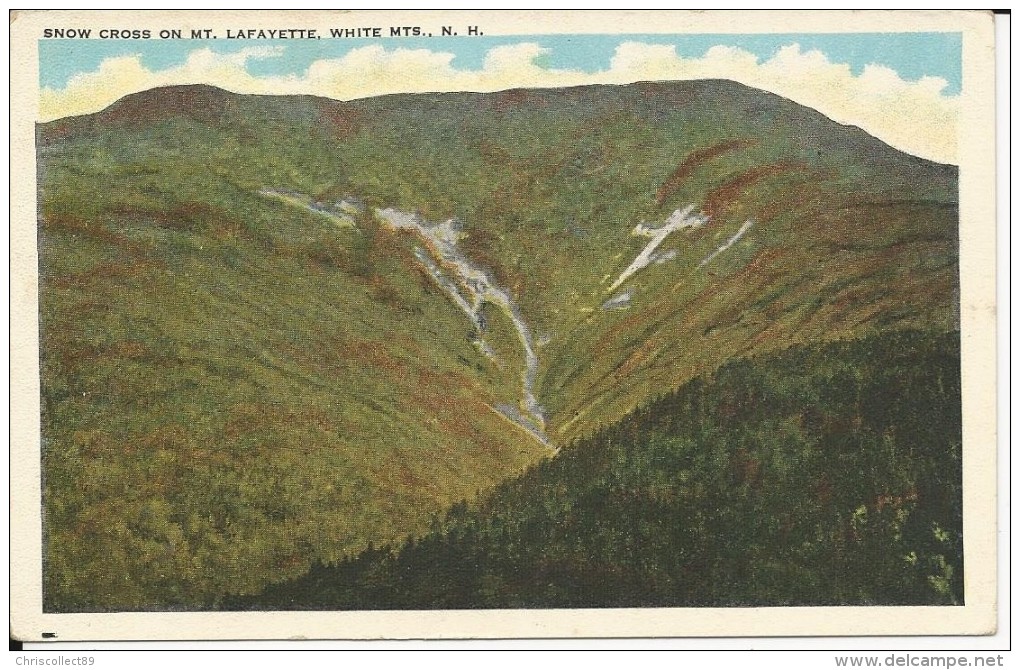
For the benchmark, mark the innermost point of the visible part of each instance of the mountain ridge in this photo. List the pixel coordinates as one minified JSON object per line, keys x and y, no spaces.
{"x":171,"y":97}
{"x":328,"y":382}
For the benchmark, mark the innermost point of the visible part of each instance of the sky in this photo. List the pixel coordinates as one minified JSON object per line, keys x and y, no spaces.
{"x":901,"y":87}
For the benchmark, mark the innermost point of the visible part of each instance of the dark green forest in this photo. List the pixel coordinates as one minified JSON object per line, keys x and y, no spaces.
{"x":825,"y":474}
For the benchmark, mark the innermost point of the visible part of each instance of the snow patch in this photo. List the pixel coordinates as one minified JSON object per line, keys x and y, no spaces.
{"x":727,"y":244}
{"x":621,"y":301}
{"x":663,"y":257}
{"x":337,"y":213}
{"x":350,"y":206}
{"x":469,"y":287}
{"x":678,"y":220}
{"x":515,"y":416}
{"x":451,"y":289}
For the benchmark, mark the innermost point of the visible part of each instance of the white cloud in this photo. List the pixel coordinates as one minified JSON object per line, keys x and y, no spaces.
{"x":916,"y":117}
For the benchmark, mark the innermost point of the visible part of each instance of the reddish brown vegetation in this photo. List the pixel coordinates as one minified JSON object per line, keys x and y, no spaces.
{"x":129,"y":349}
{"x":103,"y":271}
{"x":205,"y":104}
{"x":800,"y":194}
{"x":75,"y":225}
{"x":518,"y":97}
{"x":894,"y":501}
{"x":720,"y":198}
{"x":665,"y":95}
{"x":694,"y":160}
{"x":187,"y":216}
{"x":377,"y":356}
{"x":494,"y":153}
{"x":746,"y":467}
{"x":341,"y":119}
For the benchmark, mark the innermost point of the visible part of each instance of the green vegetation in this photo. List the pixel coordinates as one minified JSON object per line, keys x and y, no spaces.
{"x":235,"y":388}
{"x":822,"y":475}
{"x":230,"y":388}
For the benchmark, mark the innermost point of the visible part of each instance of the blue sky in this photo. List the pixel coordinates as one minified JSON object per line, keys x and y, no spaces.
{"x":903,"y":88}
{"x":911,"y":55}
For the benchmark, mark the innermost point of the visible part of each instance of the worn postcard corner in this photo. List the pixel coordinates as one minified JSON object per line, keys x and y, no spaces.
{"x":502,"y":324}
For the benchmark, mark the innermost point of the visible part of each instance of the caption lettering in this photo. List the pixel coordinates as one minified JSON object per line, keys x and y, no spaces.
{"x":339,"y":32}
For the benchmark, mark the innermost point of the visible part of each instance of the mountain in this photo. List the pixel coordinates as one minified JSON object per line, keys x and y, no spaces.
{"x":822,"y":475}
{"x":275,"y":330}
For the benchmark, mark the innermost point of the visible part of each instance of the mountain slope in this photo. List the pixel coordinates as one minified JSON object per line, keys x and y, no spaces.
{"x":251,"y":369}
{"x":821,"y":475}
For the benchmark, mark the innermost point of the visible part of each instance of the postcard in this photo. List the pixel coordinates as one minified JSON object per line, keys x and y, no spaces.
{"x":502,"y":324}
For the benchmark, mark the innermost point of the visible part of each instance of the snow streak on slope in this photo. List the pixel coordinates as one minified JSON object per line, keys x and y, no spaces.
{"x":621,"y":301}
{"x":470,"y":287}
{"x":678,"y":220}
{"x":467,"y":286}
{"x":341,"y":214}
{"x":727,"y":244}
